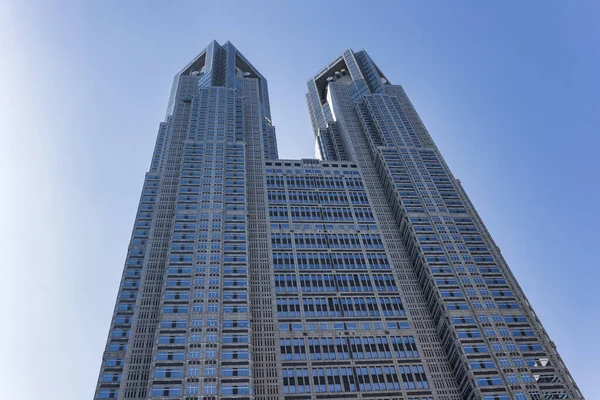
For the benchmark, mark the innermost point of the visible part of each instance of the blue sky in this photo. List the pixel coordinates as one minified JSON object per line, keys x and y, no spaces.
{"x":508,"y":90}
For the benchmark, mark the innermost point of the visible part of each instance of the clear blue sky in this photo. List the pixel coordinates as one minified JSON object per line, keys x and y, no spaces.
{"x":509,"y":91}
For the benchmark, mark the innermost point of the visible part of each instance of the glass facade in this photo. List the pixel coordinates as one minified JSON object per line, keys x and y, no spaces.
{"x":365,"y":273}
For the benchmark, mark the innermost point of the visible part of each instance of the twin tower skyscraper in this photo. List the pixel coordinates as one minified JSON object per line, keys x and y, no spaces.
{"x":363,"y":274}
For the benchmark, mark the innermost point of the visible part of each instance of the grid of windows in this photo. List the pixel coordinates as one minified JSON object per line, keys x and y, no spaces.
{"x":368,"y":270}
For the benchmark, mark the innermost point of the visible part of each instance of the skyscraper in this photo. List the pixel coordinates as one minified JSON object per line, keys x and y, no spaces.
{"x":363,"y":274}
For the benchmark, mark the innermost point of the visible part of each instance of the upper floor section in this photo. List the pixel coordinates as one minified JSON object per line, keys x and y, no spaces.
{"x":221,"y":66}
{"x":355,"y":69}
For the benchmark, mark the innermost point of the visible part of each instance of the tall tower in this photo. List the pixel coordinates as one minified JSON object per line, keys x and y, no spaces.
{"x":363,"y":274}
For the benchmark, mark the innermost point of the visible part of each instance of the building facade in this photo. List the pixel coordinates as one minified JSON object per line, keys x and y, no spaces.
{"x":363,"y":274}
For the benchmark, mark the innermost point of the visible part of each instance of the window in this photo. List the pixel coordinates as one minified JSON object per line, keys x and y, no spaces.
{"x":234,"y":390}
{"x":211,"y":354}
{"x":169,"y":356}
{"x":162,"y":373}
{"x":114,"y":362}
{"x":479,"y":364}
{"x":160,"y":390}
{"x":211,"y":337}
{"x":489,"y":380}
{"x":518,"y":362}
{"x":192,"y":389}
{"x":504,"y":362}
{"x":526,"y":378}
{"x":210,"y":389}
{"x":235,"y":372}
{"x":107,"y":394}
{"x":480,"y":348}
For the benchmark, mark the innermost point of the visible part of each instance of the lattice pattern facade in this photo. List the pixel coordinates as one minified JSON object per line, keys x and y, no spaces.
{"x":363,"y":274}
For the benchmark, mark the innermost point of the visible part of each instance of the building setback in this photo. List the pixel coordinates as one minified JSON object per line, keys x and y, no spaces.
{"x":363,"y":274}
